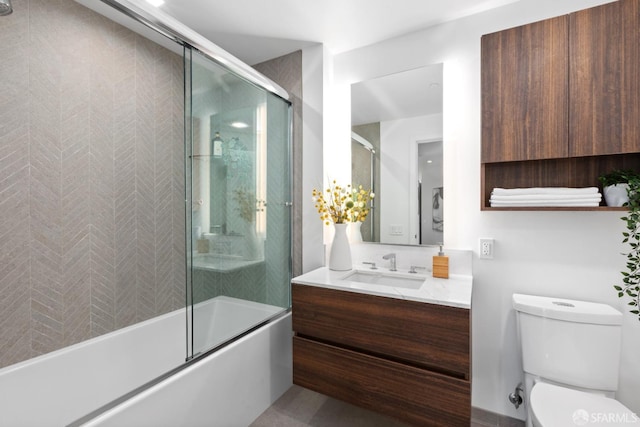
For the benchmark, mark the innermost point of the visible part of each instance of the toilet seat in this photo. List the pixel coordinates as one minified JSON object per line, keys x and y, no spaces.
{"x":555,"y":406}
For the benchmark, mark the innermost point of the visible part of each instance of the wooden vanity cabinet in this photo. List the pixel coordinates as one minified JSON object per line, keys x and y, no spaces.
{"x":561,"y":100}
{"x":406,"y":359}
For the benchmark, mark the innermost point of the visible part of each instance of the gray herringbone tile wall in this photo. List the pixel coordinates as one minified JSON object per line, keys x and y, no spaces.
{"x":91,"y":178}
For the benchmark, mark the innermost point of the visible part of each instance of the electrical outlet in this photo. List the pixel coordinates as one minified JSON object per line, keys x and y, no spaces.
{"x":486,"y":248}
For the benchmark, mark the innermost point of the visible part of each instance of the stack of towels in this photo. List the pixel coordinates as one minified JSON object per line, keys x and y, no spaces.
{"x":545,"y":196}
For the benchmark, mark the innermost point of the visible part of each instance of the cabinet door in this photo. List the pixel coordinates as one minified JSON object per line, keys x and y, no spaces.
{"x":418,"y":396}
{"x":604,"y":83}
{"x":524,"y":92}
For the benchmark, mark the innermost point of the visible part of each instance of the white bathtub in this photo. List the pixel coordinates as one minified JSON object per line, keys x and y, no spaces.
{"x":242,"y":379}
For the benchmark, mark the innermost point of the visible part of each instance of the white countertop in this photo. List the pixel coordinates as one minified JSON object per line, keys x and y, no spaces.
{"x":454,"y":291}
{"x":221,"y":263}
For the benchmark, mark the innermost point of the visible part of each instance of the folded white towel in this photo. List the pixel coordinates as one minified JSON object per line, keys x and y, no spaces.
{"x":543,"y":190}
{"x":545,"y":203}
{"x":549,"y":197}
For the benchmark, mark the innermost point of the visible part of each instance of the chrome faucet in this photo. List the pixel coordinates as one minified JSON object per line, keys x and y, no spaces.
{"x":392,"y":258}
{"x":372,"y":264}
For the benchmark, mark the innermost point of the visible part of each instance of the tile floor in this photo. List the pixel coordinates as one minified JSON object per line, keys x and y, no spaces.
{"x":300,"y":407}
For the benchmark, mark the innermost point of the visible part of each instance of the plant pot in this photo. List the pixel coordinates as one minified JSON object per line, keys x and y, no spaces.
{"x":340,"y":256}
{"x":616,"y":195}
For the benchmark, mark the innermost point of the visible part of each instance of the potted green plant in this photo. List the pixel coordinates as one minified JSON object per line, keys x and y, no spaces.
{"x":615,"y":186}
{"x":631,"y":277}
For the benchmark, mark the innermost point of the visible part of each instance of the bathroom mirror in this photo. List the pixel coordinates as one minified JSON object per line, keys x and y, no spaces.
{"x":396,"y":150}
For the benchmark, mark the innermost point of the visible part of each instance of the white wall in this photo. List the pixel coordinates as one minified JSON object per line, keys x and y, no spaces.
{"x":567,"y":254}
{"x":314,"y":74}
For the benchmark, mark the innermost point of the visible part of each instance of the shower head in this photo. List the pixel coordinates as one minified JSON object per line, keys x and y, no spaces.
{"x":5,"y":7}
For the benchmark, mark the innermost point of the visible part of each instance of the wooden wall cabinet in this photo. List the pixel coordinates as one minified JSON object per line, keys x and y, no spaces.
{"x":525,"y":92}
{"x":604,"y":79}
{"x":406,"y":359}
{"x":561,"y":100}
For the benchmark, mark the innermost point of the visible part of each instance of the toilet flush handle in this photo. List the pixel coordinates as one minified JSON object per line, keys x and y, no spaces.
{"x":516,"y":396}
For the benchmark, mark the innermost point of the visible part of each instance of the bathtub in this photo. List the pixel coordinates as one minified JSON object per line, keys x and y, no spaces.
{"x":243,"y":378}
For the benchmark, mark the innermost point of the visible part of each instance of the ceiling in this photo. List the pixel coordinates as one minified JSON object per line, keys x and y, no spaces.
{"x":402,"y":95}
{"x":256,"y":31}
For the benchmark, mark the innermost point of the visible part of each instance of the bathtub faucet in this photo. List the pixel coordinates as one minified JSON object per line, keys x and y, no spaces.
{"x":392,"y":258}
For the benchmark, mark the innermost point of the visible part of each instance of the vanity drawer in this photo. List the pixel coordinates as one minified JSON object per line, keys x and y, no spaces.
{"x":426,"y":335}
{"x":411,"y":394}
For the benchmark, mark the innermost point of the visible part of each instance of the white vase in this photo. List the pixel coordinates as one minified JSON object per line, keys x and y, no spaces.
{"x":355,"y":233}
{"x":616,"y":194}
{"x":340,"y":256}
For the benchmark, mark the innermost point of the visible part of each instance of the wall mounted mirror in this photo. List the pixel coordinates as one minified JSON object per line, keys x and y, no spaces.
{"x":396,"y":150}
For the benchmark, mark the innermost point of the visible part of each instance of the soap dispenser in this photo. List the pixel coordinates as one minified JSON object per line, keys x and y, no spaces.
{"x":441,"y":265}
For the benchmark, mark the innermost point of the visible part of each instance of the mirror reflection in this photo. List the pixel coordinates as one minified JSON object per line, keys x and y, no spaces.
{"x":396,"y":151}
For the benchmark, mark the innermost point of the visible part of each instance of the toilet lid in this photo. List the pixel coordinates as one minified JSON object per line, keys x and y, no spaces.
{"x":554,"y":406}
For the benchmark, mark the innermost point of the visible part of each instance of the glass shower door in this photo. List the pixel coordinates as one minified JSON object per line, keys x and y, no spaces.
{"x":239,"y":173}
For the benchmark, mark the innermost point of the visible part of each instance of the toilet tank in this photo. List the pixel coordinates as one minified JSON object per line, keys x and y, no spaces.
{"x":570,"y":342}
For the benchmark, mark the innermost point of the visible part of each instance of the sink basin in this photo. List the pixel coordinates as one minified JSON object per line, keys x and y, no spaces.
{"x":386,"y":279}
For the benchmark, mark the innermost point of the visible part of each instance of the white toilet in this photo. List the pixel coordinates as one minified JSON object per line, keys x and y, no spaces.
{"x":570,"y":355}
